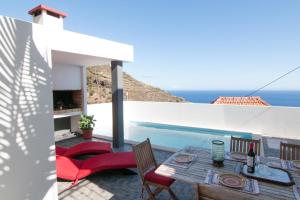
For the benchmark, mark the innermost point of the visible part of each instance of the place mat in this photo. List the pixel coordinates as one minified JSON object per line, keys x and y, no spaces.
{"x":197,"y":151}
{"x":296,"y":190}
{"x":229,"y":157}
{"x":251,"y":185}
{"x":288,"y":164}
{"x":173,"y":162}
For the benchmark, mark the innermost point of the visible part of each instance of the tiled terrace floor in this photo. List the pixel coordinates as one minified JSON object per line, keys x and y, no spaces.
{"x":118,"y":185}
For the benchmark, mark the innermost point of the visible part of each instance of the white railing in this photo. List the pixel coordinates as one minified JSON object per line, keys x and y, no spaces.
{"x":283,"y":122}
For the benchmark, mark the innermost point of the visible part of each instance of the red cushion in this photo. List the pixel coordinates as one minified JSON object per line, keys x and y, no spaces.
{"x":86,"y":148}
{"x":118,"y":160}
{"x":158,"y":179}
{"x":67,"y":168}
{"x":60,"y":150}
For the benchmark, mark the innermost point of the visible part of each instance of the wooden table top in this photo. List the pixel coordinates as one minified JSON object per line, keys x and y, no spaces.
{"x":197,"y":171}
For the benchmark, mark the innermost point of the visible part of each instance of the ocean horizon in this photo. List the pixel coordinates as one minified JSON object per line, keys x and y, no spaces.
{"x":289,"y":98}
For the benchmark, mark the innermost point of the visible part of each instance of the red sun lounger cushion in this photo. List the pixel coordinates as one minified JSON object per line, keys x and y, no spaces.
{"x":71,"y":169}
{"x":67,"y":168}
{"x":158,"y":179}
{"x":118,"y":160}
{"x":84,"y":148}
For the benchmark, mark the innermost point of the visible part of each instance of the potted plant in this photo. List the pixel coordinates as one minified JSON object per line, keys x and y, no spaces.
{"x":86,"y":124}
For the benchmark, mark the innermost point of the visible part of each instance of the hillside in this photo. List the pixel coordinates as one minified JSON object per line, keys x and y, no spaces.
{"x":99,"y":87}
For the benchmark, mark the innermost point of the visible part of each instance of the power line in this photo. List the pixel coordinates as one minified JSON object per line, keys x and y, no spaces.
{"x":282,"y":76}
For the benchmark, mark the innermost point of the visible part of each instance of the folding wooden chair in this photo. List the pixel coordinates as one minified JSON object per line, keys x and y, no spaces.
{"x":241,"y":145}
{"x":289,"y":151}
{"x":147,"y":165}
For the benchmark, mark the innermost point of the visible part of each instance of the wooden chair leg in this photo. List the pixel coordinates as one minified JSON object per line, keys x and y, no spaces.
{"x":172,"y":194}
{"x":151,"y":195}
{"x":157,"y":190}
{"x":197,"y":191}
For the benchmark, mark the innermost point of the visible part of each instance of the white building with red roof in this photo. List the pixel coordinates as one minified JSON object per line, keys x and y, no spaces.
{"x":242,"y":101}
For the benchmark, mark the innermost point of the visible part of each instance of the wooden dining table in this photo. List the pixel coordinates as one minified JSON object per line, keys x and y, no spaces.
{"x":197,"y":171}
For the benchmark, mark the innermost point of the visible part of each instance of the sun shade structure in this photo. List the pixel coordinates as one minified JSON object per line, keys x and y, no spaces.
{"x":41,"y":60}
{"x":247,"y":101}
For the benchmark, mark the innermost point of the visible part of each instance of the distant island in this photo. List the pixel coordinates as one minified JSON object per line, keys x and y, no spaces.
{"x":99,"y":88}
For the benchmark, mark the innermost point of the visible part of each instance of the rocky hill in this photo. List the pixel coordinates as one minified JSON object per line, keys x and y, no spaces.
{"x":99,"y":87}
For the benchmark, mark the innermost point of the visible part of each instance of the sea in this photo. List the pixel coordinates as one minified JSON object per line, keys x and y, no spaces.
{"x":289,"y":98}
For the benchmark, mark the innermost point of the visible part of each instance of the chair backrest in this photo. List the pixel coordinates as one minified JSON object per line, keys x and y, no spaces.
{"x":289,"y":151}
{"x":144,"y":156}
{"x":241,"y":145}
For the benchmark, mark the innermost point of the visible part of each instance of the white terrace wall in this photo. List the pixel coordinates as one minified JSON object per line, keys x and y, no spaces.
{"x":27,"y":159}
{"x":272,"y":121}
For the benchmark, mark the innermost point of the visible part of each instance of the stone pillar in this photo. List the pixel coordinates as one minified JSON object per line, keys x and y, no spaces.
{"x":117,"y":103}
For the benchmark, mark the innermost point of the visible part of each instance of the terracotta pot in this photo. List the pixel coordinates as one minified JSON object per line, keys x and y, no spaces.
{"x":87,"y":134}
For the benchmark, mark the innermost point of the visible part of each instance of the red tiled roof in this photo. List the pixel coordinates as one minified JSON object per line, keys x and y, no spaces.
{"x":249,"y":101}
{"x":43,"y":7}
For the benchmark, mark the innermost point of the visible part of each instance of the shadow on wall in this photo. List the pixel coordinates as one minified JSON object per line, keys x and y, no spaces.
{"x":27,"y":160}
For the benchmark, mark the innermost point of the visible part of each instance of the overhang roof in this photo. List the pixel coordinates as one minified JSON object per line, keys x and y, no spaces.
{"x":93,"y":47}
{"x":60,"y":57}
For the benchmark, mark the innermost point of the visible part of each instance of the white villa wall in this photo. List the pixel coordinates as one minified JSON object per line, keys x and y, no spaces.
{"x":271,"y":121}
{"x":27,"y":157}
{"x":66,"y":77}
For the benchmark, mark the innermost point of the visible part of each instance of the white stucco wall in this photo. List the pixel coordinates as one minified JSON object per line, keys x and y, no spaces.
{"x":49,"y":20}
{"x":27,"y":157}
{"x":271,"y":121}
{"x":66,"y":77}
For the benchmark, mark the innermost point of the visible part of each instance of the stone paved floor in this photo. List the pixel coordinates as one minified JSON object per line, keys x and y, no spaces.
{"x":118,"y":185}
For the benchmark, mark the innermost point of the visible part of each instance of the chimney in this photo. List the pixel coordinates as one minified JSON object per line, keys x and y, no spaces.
{"x":48,"y":16}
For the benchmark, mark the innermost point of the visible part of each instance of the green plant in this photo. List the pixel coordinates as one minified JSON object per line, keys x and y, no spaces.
{"x":86,"y":122}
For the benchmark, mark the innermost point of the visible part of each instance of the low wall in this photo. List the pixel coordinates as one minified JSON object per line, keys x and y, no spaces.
{"x":270,"y":121}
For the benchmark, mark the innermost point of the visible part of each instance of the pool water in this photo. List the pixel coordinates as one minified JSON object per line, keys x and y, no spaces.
{"x":175,"y":136}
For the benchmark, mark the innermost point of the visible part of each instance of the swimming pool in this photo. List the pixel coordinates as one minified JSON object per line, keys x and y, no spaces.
{"x":175,"y":136}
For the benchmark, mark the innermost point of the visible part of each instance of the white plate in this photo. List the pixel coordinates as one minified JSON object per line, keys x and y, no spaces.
{"x":232,"y":180}
{"x":183,"y":158}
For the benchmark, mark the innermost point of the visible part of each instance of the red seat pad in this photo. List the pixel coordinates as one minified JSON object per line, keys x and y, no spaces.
{"x":60,"y":150}
{"x":118,"y":160}
{"x":67,"y":168}
{"x":158,"y":179}
{"x":87,"y":148}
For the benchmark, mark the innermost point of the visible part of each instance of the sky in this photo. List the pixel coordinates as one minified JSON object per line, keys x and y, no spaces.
{"x":193,"y":44}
